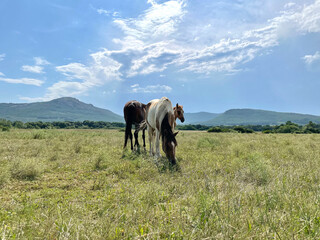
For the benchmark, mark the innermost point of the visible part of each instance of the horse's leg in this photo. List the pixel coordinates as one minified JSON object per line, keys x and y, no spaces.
{"x":144,"y":138}
{"x":126,"y":136}
{"x":129,"y":133}
{"x":150,"y":134}
{"x":136,"y":143}
{"x":158,"y":143}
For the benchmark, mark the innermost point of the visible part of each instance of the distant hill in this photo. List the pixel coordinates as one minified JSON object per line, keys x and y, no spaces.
{"x":71,"y":109}
{"x":196,"y":118}
{"x":61,"y":109}
{"x":259,"y":117}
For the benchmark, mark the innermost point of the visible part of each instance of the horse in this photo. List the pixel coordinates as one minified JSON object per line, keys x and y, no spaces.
{"x":178,"y":113}
{"x":134,"y":113}
{"x":160,"y":120}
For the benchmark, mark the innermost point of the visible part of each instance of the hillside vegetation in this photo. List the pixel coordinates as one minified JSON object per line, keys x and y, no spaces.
{"x":61,"y":109}
{"x":80,"y":184}
{"x":259,"y":117}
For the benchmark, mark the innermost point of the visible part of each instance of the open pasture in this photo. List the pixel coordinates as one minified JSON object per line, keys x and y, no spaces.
{"x":80,"y":184}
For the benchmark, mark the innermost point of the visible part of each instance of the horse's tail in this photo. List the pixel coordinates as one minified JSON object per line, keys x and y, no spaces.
{"x":143,"y":125}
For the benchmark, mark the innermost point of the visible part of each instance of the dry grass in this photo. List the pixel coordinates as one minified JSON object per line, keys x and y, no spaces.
{"x":62,"y":184}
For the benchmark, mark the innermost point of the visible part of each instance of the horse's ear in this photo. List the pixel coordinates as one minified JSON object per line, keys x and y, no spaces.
{"x":175,"y":134}
{"x":177,"y":105}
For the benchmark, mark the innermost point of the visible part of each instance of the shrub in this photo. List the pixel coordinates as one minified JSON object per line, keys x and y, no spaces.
{"x":215,"y":129}
{"x":267,"y":131}
{"x":243,"y":129}
{"x":219,"y":129}
{"x":5,"y":129}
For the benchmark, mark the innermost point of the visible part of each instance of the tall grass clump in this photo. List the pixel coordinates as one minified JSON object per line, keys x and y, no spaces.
{"x":100,"y":161}
{"x":38,"y":135}
{"x":4,"y":177}
{"x":26,"y":169}
{"x":256,"y":170}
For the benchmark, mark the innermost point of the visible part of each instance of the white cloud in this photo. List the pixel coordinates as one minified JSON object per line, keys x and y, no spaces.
{"x":289,"y":5}
{"x":102,"y":70}
{"x":152,"y":41}
{"x":150,"y":89}
{"x":160,"y":38}
{"x":102,"y":11}
{"x":2,"y":56}
{"x":158,"y":22}
{"x":38,"y":67}
{"x":40,"y":61}
{"x":32,"y":69}
{"x":310,"y":59}
{"x":27,"y":81}
{"x":82,"y":77}
{"x":152,"y":2}
{"x":1,"y":74}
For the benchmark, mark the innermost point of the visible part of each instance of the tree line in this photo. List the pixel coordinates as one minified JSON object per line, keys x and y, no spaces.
{"x":288,"y":127}
{"x":6,"y":125}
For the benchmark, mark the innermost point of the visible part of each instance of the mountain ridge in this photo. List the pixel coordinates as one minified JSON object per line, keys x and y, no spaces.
{"x":72,"y":109}
{"x":60,"y":109}
{"x":247,"y":116}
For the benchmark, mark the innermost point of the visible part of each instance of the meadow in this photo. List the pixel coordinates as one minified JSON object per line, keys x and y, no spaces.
{"x":81,"y":184}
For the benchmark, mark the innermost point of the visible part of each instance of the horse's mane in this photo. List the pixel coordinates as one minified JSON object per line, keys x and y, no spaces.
{"x":166,"y":130}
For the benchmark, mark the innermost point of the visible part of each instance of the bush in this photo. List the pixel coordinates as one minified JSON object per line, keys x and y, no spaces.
{"x":289,"y":127}
{"x":5,"y":129}
{"x":267,"y":131}
{"x":215,"y":129}
{"x":243,"y":129}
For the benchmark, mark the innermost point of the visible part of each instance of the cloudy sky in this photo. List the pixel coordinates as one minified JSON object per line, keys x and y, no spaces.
{"x":207,"y":55}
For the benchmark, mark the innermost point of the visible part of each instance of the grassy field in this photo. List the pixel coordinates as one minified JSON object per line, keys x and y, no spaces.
{"x":80,"y":184}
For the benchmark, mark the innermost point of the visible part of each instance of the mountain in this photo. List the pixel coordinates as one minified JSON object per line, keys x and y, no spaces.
{"x":259,"y":117}
{"x":61,"y":109}
{"x":71,"y":109}
{"x":196,"y":118}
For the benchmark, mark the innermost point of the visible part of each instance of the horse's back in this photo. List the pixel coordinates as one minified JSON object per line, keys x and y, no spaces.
{"x":156,"y":111}
{"x":134,"y":111}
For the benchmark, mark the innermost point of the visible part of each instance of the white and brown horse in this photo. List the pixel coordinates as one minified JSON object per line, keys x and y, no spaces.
{"x":134,"y":113}
{"x":160,"y":119}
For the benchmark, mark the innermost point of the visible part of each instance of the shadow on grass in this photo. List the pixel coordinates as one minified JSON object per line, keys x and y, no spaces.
{"x":162,"y":163}
{"x":133,"y":155}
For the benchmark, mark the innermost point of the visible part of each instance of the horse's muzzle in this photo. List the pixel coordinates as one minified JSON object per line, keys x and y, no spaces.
{"x":182,"y":120}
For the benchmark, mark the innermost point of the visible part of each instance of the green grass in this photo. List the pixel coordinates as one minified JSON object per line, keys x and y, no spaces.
{"x":80,"y":184}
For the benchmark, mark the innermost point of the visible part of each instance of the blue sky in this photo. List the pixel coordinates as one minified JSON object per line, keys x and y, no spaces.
{"x":207,"y":55}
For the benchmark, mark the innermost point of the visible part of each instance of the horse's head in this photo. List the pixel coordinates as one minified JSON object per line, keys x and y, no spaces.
{"x":178,"y":112}
{"x":169,"y":144}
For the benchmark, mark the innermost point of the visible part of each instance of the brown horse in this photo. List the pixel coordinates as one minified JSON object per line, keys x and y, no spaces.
{"x":134,"y":113}
{"x":178,"y":113}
